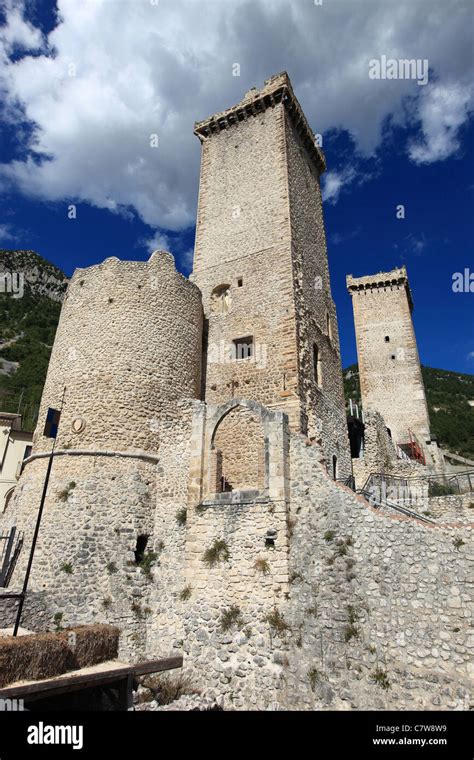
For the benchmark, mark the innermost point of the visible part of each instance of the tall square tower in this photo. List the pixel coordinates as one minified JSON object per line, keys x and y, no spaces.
{"x":389,"y":366}
{"x":261,"y":263}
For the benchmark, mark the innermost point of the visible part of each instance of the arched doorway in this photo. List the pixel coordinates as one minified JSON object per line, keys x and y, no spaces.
{"x":238,"y":451}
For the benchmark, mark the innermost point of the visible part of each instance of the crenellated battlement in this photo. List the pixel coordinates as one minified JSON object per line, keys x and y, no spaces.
{"x":276,"y":90}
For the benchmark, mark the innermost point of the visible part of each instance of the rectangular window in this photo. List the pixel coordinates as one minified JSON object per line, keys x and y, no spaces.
{"x":240,"y":282}
{"x":243,"y":348}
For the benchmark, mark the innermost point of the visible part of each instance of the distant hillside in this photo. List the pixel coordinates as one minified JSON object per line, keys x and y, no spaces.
{"x":448,"y":395}
{"x":27,"y":329}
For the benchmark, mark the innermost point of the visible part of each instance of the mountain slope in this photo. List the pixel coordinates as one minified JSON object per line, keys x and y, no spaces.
{"x":27,"y":328}
{"x":448,"y":395}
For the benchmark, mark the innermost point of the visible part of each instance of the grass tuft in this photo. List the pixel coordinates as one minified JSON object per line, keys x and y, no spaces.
{"x":218,"y":552}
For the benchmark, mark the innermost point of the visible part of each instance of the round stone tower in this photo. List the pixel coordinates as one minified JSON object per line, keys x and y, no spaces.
{"x":127,"y":361}
{"x":127,"y":349}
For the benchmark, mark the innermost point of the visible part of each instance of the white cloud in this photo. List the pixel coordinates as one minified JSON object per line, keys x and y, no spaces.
{"x":470,"y":355}
{"x":143,"y":69}
{"x":6,"y":234}
{"x":187,"y":259}
{"x":158,"y":242}
{"x":442,"y":111}
{"x":336,"y":238}
{"x":334,"y":181}
{"x":18,"y":32}
{"x":415,"y":244}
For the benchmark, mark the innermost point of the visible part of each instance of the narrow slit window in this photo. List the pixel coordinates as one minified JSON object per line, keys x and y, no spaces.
{"x":328,"y":326}
{"x":316,"y":365}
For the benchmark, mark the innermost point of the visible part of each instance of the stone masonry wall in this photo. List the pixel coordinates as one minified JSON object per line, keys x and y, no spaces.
{"x":127,"y":348}
{"x":322,"y":399}
{"x":390,"y":373}
{"x":120,"y":472}
{"x":380,"y":455}
{"x":455,"y":508}
{"x":84,"y":566}
{"x":260,"y":239}
{"x":376,"y":600}
{"x":239,"y":448}
{"x":243,"y":235}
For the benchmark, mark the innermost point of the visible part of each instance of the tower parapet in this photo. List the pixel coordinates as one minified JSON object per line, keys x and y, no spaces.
{"x":396,"y":277}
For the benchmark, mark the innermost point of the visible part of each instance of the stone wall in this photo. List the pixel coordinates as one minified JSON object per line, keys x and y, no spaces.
{"x":127,"y":348}
{"x":455,"y":508}
{"x":367,"y":605}
{"x":379,"y":454}
{"x":389,"y":366}
{"x":236,"y":566}
{"x":84,"y":567}
{"x":239,"y":451}
{"x":320,"y":388}
{"x":120,"y":471}
{"x":261,"y":264}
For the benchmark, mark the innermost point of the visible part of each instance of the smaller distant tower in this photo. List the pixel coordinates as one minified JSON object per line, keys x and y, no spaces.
{"x":389,"y":366}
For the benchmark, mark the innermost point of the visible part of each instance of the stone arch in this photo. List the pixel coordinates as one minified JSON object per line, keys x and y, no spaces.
{"x":8,"y":498}
{"x":221,"y":299}
{"x":239,"y":446}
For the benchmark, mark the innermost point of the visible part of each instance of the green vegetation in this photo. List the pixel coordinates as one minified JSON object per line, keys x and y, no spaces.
{"x":147,"y":562}
{"x":64,"y":494}
{"x":277,"y":622}
{"x":352,"y":614}
{"x":181,"y":516}
{"x":57,"y":620}
{"x":28,"y":326}
{"x":231,"y":617}
{"x":262,"y":565}
{"x":448,"y":395}
{"x":380,"y":678}
{"x":350,"y":632}
{"x":439,"y":489}
{"x":185,"y":593}
{"x":66,"y":567}
{"x":218,"y":552}
{"x":313,"y":675}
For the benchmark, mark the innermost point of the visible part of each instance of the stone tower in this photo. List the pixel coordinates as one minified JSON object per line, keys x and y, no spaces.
{"x":128,"y":352}
{"x":261,"y":263}
{"x":389,"y":367}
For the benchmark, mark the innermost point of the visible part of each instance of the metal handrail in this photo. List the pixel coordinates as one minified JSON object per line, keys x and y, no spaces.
{"x":391,"y":505}
{"x":347,"y":480}
{"x":425,"y":479}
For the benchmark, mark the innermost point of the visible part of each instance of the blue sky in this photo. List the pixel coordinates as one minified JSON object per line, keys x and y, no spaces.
{"x":83,"y":91}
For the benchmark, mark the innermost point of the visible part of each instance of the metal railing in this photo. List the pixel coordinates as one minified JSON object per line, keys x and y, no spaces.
{"x":11,"y":542}
{"x":377,"y":502}
{"x":436,"y":485}
{"x":347,"y":480}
